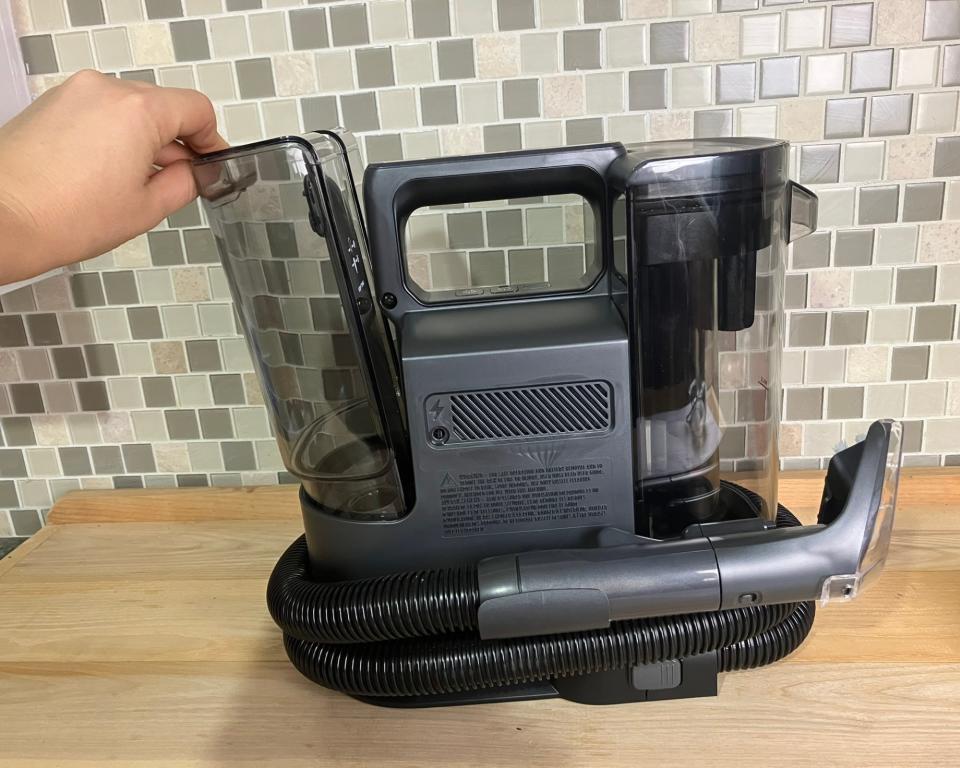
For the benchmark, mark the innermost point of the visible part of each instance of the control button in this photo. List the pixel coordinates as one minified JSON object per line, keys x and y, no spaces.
{"x":469,"y":292}
{"x":749,"y":598}
{"x":505,"y":289}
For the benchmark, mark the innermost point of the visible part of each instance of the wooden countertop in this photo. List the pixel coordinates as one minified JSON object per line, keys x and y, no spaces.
{"x":133,"y":632}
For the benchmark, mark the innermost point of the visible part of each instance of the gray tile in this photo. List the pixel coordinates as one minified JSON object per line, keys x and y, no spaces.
{"x":121,"y":287}
{"x":182,"y":424}
{"x":227,"y":389}
{"x":488,"y":268}
{"x":200,"y":246}
{"x":320,"y":112}
{"x":215,"y":423}
{"x":190,"y":41}
{"x":158,"y":391}
{"x":951,"y":65}
{"x":438,"y":105}
{"x":923,"y":201}
{"x":39,"y":56}
{"x":164,"y":9}
{"x":107,"y":459}
{"x":8,"y":494}
{"x":844,"y":118}
{"x":238,"y":456}
{"x":431,"y":18}
{"x":384,"y":148}
{"x":165,"y":248}
{"x":941,"y":20}
{"x":502,"y":137}
{"x":145,"y":322}
{"x":12,"y":464}
{"x":188,"y":216}
{"x":192,"y":481}
{"x":18,"y":431}
{"x":243,"y":5}
{"x":455,"y":59}
{"x":845,"y":403}
{"x":728,"y":6}
{"x":204,"y":355}
{"x":669,"y":42}
{"x":255,"y":78}
{"x":59,"y":397}
{"x":526,"y":265}
{"x":466,"y":230}
{"x":878,"y":205}
{"x":375,"y":67}
{"x":13,"y":333}
{"x":804,"y":404}
{"x":140,"y":75}
{"x":890,"y":115}
{"x":505,"y":227}
{"x":808,"y":329}
{"x":819,"y":163}
{"x":521,"y":98}
{"x":916,"y":284}
{"x":581,"y":49}
{"x":85,"y":13}
{"x":934,"y":323}
{"x":92,"y":396}
{"x":648,"y":89}
{"x":87,"y":289}
{"x":44,"y":329}
{"x":26,"y":398}
{"x":946,"y":156}
{"x":68,"y":363}
{"x":102,"y":359}
{"x":909,"y":363}
{"x":780,"y":78}
{"x":26,"y":522}
{"x":912,"y":436}
{"x":599,"y":11}
{"x":138,"y":457}
{"x":871,"y":70}
{"x":349,"y":24}
{"x":75,"y":461}
{"x":795,"y":292}
{"x":515,"y":14}
{"x":360,"y":112}
{"x":853,"y":248}
{"x":851,"y":24}
{"x":587,"y":130}
{"x":848,"y":328}
{"x":308,"y":29}
{"x":736,"y":83}
{"x":711,"y":123}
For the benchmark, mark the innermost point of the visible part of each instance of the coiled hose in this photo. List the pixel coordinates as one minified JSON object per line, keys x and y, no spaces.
{"x":413,"y":634}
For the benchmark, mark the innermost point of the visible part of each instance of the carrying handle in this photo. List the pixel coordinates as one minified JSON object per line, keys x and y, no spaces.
{"x":393,"y":191}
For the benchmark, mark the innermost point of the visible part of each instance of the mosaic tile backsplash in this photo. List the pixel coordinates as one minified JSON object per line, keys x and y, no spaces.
{"x":130,"y":371}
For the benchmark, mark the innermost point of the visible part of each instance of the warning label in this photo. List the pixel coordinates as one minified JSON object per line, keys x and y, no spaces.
{"x":522,"y":498}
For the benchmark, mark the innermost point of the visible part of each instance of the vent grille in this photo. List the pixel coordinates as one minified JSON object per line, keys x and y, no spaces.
{"x":559,"y":409}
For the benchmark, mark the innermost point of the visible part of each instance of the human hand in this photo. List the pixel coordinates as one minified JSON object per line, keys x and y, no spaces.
{"x":79,"y":168}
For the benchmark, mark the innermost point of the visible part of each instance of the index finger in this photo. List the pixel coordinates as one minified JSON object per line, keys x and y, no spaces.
{"x":187,"y":115}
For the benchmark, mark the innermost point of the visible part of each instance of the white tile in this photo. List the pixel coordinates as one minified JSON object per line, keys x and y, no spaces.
{"x":825,"y":73}
{"x":758,"y":121}
{"x":937,"y":112}
{"x":805,"y":28}
{"x":896,"y":245}
{"x":917,"y":67}
{"x":74,"y":51}
{"x":691,"y":86}
{"x":890,"y":325}
{"x":836,"y":207}
{"x":760,"y":34}
{"x":863,"y":161}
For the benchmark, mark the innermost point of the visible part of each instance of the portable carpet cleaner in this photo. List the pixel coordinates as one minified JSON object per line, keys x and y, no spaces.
{"x":536,"y":466}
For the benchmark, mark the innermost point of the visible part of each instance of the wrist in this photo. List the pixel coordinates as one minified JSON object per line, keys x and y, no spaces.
{"x":19,"y":256}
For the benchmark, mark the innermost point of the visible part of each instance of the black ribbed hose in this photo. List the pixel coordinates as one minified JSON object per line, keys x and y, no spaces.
{"x":336,"y":634}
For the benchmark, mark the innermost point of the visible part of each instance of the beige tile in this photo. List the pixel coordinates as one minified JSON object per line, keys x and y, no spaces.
{"x":948,"y":288}
{"x":825,"y":366}
{"x":716,"y":37}
{"x":74,"y":51}
{"x":644,"y":9}
{"x":563,"y":96}
{"x":50,"y":430}
{"x":335,"y":69}
{"x":461,"y":140}
{"x":953,"y":399}
{"x":294,"y":74}
{"x":113,"y":48}
{"x":836,"y":206}
{"x":801,"y":119}
{"x":829,"y":288}
{"x":821,"y":438}
{"x":557,"y":13}
{"x":281,"y":117}
{"x":151,"y":44}
{"x":937,"y":112}
{"x":541,"y":135}
{"x":691,"y":7}
{"x":863,"y":161}
{"x":871,"y":287}
{"x":473,"y":17}
{"x":899,"y":21}
{"x":909,"y":158}
{"x":604,"y":93}
{"x":940,"y":242}
{"x":791,"y":439}
{"x":398,"y":107}
{"x":116,"y":427}
{"x":169,"y":357}
{"x":945,"y":361}
{"x":171,"y":457}
{"x":539,"y":53}
{"x":388,"y":20}
{"x":421,"y":144}
{"x":758,"y":121}
{"x":497,"y":55}
{"x":926,"y":398}
{"x":940,"y":435}
{"x":190,"y":284}
{"x":885,"y":401}
{"x":177,"y":77}
{"x":634,"y":127}
{"x":691,"y":86}
{"x":867,"y":363}
{"x":890,"y":325}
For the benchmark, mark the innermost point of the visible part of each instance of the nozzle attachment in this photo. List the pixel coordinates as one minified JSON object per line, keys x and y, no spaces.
{"x":713,"y":566}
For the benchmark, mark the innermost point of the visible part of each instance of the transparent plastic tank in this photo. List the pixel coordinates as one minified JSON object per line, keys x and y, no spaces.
{"x":700,"y":231}
{"x":285,"y":216}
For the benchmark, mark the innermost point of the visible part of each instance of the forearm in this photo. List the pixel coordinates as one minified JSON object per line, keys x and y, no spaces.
{"x":21,"y":253}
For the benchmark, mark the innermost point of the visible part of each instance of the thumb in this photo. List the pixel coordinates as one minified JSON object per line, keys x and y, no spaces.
{"x":171,"y":188}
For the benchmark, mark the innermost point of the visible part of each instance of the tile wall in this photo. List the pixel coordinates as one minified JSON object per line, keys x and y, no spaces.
{"x":130,"y":372}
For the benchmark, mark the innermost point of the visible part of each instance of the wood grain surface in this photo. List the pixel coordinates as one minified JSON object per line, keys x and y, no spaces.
{"x":133,"y":632}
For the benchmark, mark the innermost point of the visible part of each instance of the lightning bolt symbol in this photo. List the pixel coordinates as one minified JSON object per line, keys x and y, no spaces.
{"x":437,"y":410}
